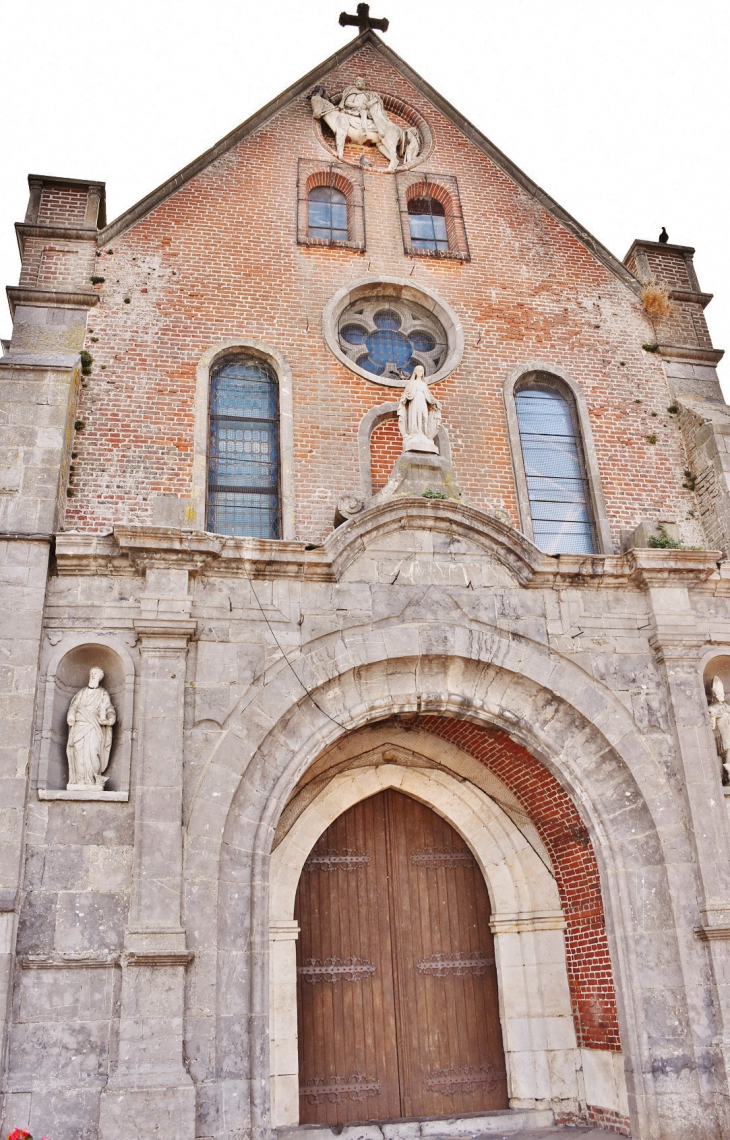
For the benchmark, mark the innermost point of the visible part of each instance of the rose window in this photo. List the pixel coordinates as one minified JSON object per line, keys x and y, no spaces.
{"x":388,"y":337}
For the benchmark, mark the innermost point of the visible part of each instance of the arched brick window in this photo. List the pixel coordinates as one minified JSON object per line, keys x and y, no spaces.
{"x":554,"y":465}
{"x":327,"y":214}
{"x":431,"y":217}
{"x":243,"y":450}
{"x":427,"y":222}
{"x":330,"y":206}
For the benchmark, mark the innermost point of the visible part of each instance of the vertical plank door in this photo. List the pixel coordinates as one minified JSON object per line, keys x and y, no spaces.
{"x":348,"y":1065}
{"x":397,"y":988}
{"x":450,"y":1051}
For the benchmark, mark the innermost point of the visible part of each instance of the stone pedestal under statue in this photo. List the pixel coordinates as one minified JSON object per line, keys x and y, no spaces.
{"x":415,"y":473}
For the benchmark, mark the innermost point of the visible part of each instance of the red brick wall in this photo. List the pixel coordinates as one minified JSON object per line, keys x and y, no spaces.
{"x":219,"y":259}
{"x":62,"y":206}
{"x":669,"y":268}
{"x":576,"y":871}
{"x":386,"y":444}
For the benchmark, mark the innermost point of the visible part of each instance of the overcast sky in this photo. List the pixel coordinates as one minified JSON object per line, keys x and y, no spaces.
{"x":619,"y":110}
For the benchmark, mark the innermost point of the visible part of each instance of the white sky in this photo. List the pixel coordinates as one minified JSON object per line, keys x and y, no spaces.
{"x":619,"y":110}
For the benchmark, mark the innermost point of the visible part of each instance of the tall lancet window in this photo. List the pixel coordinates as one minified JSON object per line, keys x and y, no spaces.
{"x":243,"y":455}
{"x":557,"y":487}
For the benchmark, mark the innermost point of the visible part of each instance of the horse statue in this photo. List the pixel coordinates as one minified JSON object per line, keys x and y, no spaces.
{"x":365,"y":121}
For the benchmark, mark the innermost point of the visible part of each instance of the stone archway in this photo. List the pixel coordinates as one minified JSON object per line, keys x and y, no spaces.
{"x":575,"y":726}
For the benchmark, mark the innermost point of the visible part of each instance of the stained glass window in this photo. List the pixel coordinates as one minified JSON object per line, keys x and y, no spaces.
{"x":555,"y":470}
{"x":387,"y":336}
{"x":327,"y":214}
{"x":243,"y":458}
{"x":427,"y":219}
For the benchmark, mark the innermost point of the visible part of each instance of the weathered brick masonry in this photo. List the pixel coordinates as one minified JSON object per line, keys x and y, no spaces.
{"x":219,"y":258}
{"x":566,"y":838}
{"x":264,"y":686}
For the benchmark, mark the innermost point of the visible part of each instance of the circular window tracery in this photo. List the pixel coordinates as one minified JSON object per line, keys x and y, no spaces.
{"x":387,"y":336}
{"x":381,"y":327}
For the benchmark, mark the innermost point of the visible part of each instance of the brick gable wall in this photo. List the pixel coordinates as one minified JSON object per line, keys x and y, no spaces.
{"x":219,"y":259}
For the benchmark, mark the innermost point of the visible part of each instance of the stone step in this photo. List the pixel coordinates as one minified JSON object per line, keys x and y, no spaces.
{"x":503,"y":1122}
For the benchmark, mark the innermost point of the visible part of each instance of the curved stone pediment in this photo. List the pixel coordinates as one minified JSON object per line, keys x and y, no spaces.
{"x":419,"y":542}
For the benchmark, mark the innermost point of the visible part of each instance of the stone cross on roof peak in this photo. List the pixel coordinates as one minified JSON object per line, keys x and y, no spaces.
{"x":363,"y":21}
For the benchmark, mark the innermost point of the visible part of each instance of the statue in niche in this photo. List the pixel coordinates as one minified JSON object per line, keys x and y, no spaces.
{"x":419,"y":414}
{"x":720,"y":720}
{"x":90,"y":718}
{"x":359,"y":115}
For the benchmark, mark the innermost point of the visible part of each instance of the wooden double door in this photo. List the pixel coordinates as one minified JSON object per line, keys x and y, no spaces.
{"x":396,"y":982}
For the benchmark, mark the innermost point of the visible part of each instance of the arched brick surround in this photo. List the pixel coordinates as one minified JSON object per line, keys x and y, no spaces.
{"x":576,"y":871}
{"x":386,"y":445}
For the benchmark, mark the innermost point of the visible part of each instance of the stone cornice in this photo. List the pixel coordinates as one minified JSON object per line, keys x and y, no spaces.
{"x":130,"y":549}
{"x":48,"y":298}
{"x":692,"y":354}
{"x":164,"y":633}
{"x":25,"y":230}
{"x":662,"y":246}
{"x":691,"y":297}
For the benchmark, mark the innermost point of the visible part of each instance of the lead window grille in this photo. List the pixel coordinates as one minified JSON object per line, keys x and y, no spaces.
{"x":427,"y":222}
{"x":243,"y":457}
{"x":555,"y":470}
{"x":327,"y":214}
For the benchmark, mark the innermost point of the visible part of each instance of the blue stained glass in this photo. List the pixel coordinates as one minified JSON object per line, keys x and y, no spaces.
{"x":422,"y":341}
{"x":369,"y":365}
{"x":387,"y":320}
{"x":386,"y":347}
{"x":354,"y":334}
{"x":390,"y":346}
{"x":243,"y":471}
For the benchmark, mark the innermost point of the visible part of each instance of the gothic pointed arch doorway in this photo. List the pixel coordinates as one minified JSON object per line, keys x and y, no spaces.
{"x":396,"y":980}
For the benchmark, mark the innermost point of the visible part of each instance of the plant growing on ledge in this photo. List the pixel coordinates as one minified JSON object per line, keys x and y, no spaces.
{"x":86,"y":361}
{"x":434,"y":495}
{"x":664,"y":541}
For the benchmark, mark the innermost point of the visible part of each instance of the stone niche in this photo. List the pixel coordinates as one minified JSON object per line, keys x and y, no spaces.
{"x":717,"y":666}
{"x":67,"y":672}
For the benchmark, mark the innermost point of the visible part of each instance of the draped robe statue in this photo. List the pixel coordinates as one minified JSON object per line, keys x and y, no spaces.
{"x":720,"y":718}
{"x":419,"y":414}
{"x":90,"y":718}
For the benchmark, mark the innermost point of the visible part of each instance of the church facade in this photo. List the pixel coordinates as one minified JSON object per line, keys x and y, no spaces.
{"x":365,"y":638}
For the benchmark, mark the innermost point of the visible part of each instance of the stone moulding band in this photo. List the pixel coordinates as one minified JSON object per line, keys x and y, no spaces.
{"x":274,"y":558}
{"x":59,"y":962}
{"x":158,"y":958}
{"x":98,"y":795}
